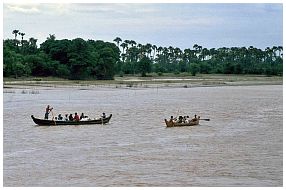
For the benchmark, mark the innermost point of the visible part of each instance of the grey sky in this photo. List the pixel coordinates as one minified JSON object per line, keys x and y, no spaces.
{"x":177,"y":25}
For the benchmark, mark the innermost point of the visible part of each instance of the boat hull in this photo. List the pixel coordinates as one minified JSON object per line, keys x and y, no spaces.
{"x":173,"y":124}
{"x":56,"y":122}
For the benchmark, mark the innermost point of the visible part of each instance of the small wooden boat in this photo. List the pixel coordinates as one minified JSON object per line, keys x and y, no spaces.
{"x":175,"y":124}
{"x":59,"y":122}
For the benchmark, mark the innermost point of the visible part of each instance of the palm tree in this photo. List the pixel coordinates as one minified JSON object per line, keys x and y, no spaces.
{"x":127,"y":42}
{"x":268,"y":54}
{"x":133,"y":53}
{"x":198,"y":50}
{"x":139,"y":46}
{"x":132,"y":57}
{"x":178,"y":53}
{"x":148,"y":49}
{"x":280,"y":50}
{"x":51,"y":37}
{"x":205,"y":53}
{"x":123,"y":45}
{"x":123,"y":55}
{"x":117,"y":40}
{"x":274,"y":49}
{"x":165,"y":55}
{"x":133,"y":43}
{"x":33,"y":42}
{"x":195,"y":46}
{"x":159,"y":50}
{"x":22,"y":34}
{"x":16,"y":33}
{"x":171,"y":53}
{"x":154,"y":47}
{"x":189,"y":56}
{"x":212,"y":52}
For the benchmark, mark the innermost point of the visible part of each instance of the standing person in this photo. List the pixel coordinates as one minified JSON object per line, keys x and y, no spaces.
{"x":103,"y":115}
{"x":48,"y":110}
{"x":76,"y":117}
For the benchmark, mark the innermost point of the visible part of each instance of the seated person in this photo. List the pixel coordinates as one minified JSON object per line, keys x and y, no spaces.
{"x":71,"y":117}
{"x":180,"y":119}
{"x":184,"y":119}
{"x":85,"y":118}
{"x":187,"y":119}
{"x":60,"y":117}
{"x":66,"y":117}
{"x":171,"y":119}
{"x":195,"y":119}
{"x":76,"y":117}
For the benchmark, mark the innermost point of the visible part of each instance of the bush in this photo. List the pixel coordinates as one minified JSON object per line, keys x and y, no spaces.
{"x":194,"y":68}
{"x":160,"y":74}
{"x":63,"y":71}
{"x":176,"y":72}
{"x":21,"y":70}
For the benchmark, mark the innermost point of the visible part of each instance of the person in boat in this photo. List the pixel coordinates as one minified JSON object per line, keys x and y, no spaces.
{"x":76,"y":117}
{"x":175,"y":120}
{"x":85,"y":118}
{"x":66,"y":117}
{"x":70,"y":117}
{"x":180,"y":120}
{"x":103,"y":115}
{"x":82,"y":116}
{"x":187,"y":119}
{"x":60,"y":117}
{"x":195,"y":118}
{"x":48,"y":110}
{"x":171,"y":119}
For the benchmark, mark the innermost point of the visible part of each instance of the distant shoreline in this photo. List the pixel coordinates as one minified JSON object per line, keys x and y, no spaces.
{"x":168,"y":81}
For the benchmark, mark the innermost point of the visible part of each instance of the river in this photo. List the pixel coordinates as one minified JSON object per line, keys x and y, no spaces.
{"x":241,"y":145}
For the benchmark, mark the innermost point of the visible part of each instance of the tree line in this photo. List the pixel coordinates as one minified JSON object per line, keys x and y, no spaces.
{"x":90,"y":59}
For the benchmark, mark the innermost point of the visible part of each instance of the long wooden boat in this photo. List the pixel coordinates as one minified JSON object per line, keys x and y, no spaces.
{"x":174,"y":124}
{"x":58,"y":122}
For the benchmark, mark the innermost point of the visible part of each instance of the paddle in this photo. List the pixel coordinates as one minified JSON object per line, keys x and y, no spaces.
{"x":205,"y":119}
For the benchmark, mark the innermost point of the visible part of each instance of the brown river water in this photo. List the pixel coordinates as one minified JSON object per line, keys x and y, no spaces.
{"x":241,"y":145}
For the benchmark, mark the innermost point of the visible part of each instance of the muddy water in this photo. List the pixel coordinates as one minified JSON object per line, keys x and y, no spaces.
{"x":241,"y":145}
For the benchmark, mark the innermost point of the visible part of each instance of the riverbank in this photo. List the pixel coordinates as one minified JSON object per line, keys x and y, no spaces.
{"x":167,"y":81}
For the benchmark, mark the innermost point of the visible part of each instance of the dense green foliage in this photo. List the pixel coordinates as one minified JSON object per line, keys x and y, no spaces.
{"x":81,"y":59}
{"x":72,"y":59}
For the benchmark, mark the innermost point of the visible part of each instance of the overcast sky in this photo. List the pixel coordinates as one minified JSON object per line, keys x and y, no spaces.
{"x":177,"y":25}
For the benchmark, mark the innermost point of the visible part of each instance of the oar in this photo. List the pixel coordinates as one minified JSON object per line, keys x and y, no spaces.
{"x":205,"y":119}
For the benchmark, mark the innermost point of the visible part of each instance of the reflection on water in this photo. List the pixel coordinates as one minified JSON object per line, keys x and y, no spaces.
{"x":240,"y":146}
